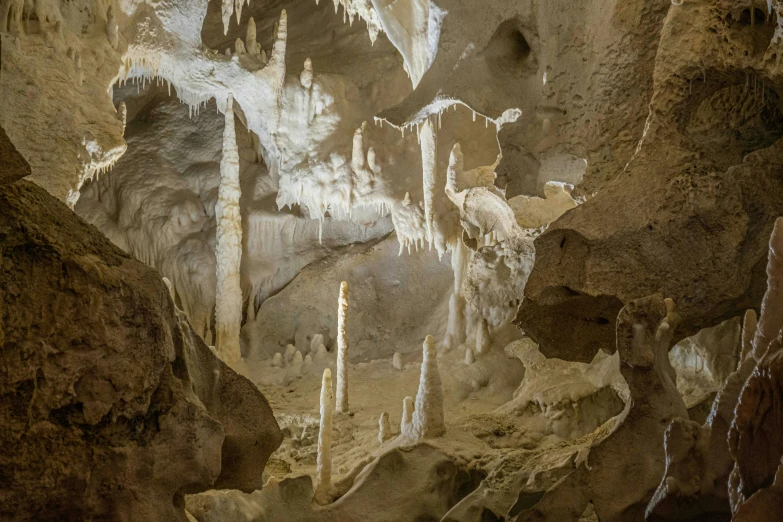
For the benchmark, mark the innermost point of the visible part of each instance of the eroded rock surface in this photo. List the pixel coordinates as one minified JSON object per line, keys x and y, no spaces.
{"x":111,"y":407}
{"x":13,"y":164}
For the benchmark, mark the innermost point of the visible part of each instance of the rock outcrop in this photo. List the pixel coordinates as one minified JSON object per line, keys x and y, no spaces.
{"x":756,"y":443}
{"x":111,"y":406}
{"x":691,"y":232}
{"x":12,"y":163}
{"x":690,"y":214}
{"x":419,"y":482}
{"x":644,"y":329}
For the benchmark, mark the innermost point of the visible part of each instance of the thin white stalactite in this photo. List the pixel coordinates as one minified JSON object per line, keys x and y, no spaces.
{"x":428,"y":165}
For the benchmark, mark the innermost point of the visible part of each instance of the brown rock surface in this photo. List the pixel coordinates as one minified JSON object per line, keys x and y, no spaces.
{"x":754,"y":439}
{"x":110,"y":406}
{"x":12,"y":164}
{"x":635,"y":447}
{"x":693,"y":232}
{"x":690,"y":214}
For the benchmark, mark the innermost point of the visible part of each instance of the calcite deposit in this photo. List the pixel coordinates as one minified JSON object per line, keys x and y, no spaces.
{"x":391,"y":260}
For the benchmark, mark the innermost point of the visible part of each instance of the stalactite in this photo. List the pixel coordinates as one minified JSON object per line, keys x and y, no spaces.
{"x":342,"y":350}
{"x":323,"y":469}
{"x":428,"y":164}
{"x":228,"y":297}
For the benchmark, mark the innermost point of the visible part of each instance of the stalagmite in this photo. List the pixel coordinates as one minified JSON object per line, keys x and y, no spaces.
{"x":280,"y":37}
{"x":470,"y":358}
{"x":455,"y":330}
{"x":454,"y":170}
{"x":428,"y":163}
{"x":276,"y":63}
{"x":294,"y":369}
{"x":342,"y":350}
{"x":397,"y":361}
{"x":315,"y":342}
{"x":172,"y":294}
{"x":228,"y":298}
{"x":384,"y":428}
{"x":357,"y":151}
{"x":290,"y":350}
{"x":239,"y":47}
{"x":308,"y":363}
{"x":306,"y":78}
{"x":250,"y":37}
{"x":749,"y":325}
{"x":406,"y":422}
{"x":771,"y":317}
{"x":77,"y":65}
{"x":456,"y":327}
{"x":320,"y":353}
{"x":482,"y":337}
{"x":323,"y":470}
{"x":277,"y":360}
{"x":426,"y":419}
{"x":122,"y":113}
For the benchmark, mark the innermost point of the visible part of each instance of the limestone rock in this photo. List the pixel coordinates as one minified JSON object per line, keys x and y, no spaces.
{"x":110,"y":406}
{"x":755,"y":441}
{"x":12,"y":164}
{"x":692,"y":232}
{"x":433,"y":482}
